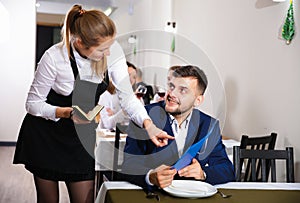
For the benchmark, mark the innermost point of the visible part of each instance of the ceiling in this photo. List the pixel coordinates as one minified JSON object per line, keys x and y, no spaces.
{"x":92,"y":3}
{"x":63,"y":6}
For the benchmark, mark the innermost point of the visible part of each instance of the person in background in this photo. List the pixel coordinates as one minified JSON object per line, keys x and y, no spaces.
{"x":139,"y":81}
{"x":132,"y":74}
{"x":55,"y":145}
{"x":151,"y":167}
{"x":158,"y":98}
{"x":113,"y":113}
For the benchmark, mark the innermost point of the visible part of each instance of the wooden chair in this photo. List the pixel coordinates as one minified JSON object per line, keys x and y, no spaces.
{"x":120,"y":128}
{"x":263,"y":143}
{"x":239,"y":155}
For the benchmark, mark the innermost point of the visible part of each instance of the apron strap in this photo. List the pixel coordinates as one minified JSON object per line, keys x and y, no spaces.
{"x":73,"y":63}
{"x":101,"y":86}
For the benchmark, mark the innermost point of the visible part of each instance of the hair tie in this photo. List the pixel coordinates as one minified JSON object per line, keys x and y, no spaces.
{"x":77,"y":15}
{"x":81,"y":12}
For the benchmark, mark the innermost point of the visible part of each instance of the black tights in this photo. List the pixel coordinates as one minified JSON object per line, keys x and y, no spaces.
{"x":79,"y":192}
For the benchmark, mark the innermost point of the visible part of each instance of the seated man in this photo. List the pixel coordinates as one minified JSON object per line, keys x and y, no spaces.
{"x":149,"y":166}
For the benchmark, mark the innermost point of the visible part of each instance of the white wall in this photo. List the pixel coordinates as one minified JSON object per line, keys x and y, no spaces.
{"x":147,"y":15}
{"x":17,"y":65}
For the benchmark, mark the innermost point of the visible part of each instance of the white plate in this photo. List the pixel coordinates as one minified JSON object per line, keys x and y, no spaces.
{"x":190,"y":189}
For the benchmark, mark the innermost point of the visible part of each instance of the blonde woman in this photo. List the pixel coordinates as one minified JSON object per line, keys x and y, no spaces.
{"x":54,"y":145}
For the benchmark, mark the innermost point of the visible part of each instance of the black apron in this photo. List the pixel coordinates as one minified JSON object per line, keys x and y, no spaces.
{"x":61,"y":151}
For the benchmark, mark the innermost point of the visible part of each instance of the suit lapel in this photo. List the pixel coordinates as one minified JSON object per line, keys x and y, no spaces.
{"x":172,"y":143}
{"x":194,"y":124}
{"x":162,"y":120}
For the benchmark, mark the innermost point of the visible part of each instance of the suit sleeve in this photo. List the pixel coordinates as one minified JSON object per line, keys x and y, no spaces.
{"x":217,"y":166}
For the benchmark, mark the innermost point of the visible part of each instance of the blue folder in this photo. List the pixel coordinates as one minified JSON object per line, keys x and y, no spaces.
{"x":192,"y":151}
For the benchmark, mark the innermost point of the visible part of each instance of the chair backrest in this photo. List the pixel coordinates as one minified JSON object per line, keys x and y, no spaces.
{"x":239,"y":155}
{"x":263,"y":143}
{"x":120,"y":128}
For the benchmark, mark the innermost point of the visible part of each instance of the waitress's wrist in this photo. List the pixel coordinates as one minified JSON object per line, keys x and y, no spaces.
{"x":147,"y":123}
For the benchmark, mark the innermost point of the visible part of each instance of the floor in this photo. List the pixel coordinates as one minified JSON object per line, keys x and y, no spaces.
{"x":16,"y":183}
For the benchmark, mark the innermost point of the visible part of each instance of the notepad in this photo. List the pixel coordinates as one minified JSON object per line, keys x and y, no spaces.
{"x":90,"y":115}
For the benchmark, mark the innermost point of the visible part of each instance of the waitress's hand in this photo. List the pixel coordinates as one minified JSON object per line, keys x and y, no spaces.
{"x":157,"y":136}
{"x":67,"y":112}
{"x":63,"y":112}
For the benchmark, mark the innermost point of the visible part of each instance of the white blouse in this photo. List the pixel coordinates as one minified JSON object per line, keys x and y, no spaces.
{"x":54,"y":71}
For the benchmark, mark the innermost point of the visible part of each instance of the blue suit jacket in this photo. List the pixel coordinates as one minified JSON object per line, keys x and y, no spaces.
{"x":141,"y":155}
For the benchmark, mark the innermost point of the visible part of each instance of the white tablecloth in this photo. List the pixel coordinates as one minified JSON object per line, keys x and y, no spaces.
{"x":260,"y":185}
{"x":105,"y":147}
{"x":229,"y":143}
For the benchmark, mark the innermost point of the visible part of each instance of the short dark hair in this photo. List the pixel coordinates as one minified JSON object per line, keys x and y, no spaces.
{"x":130,"y":65}
{"x":194,"y":72}
{"x":172,"y":68}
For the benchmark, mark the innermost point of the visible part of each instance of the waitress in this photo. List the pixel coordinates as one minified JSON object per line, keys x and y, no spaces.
{"x":54,"y":145}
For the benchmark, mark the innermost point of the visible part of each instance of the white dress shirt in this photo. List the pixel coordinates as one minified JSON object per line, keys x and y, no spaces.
{"x":111,"y":101}
{"x":54,"y":71}
{"x":180,"y":134}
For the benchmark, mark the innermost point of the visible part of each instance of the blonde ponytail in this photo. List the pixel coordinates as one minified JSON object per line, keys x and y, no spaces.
{"x":91,"y":26}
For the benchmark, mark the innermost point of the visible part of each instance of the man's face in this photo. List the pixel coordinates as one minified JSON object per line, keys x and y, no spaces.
{"x":182,"y":95}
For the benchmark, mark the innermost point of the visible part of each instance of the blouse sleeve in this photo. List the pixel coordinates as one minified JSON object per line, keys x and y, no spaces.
{"x":109,"y":101}
{"x":118,"y":72}
{"x":43,"y":80}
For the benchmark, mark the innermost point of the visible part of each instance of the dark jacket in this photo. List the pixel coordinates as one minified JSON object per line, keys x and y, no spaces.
{"x":141,"y":155}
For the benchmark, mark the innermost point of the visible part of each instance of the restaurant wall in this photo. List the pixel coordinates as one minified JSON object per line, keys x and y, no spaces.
{"x":147,"y":15}
{"x":17,"y":52}
{"x":259,"y":72}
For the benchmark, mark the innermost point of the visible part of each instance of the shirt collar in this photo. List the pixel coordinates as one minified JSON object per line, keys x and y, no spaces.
{"x":185,"y":122}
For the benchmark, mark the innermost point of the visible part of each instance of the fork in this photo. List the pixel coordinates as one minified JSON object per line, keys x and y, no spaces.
{"x":151,"y":195}
{"x":223,"y":195}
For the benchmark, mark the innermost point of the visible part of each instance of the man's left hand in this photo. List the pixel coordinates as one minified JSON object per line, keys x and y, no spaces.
{"x":193,"y":170}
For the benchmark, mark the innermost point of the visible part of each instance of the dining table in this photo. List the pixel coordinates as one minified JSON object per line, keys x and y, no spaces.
{"x":105,"y":149}
{"x":104,"y":154}
{"x":241,"y":192}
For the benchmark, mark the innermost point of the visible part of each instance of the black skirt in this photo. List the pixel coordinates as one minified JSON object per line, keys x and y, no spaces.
{"x":56,"y":150}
